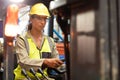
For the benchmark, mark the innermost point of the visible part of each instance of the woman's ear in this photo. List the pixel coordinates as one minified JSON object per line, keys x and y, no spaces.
{"x":30,"y":21}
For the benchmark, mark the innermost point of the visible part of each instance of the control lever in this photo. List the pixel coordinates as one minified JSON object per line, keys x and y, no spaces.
{"x":25,"y":74}
{"x":34,"y":73}
{"x":40,"y":71}
{"x":61,"y":69}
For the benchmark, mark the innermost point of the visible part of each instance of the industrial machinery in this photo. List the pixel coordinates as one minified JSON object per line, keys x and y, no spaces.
{"x":91,"y":30}
{"x":93,"y":25}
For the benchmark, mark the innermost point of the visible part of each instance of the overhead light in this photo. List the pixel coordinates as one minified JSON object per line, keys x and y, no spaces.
{"x":16,"y":1}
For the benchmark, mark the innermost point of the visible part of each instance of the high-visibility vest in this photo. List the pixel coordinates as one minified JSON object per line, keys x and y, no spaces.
{"x":38,"y":54}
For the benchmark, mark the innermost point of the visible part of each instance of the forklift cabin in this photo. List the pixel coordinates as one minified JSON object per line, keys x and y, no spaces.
{"x":93,"y":25}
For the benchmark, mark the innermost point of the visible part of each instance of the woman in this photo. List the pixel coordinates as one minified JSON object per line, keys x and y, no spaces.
{"x":33,"y":48}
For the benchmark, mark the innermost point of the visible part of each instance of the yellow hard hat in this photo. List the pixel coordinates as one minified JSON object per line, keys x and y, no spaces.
{"x":39,"y":9}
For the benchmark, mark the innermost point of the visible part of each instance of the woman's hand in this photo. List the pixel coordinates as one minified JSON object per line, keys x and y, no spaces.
{"x":53,"y":62}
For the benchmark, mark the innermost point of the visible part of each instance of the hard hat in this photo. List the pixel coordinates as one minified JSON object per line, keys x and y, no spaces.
{"x":39,"y":9}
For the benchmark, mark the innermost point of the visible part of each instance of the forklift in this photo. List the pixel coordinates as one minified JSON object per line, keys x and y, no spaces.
{"x":91,"y":31}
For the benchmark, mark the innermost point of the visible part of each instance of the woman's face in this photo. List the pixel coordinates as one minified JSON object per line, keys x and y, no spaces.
{"x":38,"y":22}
